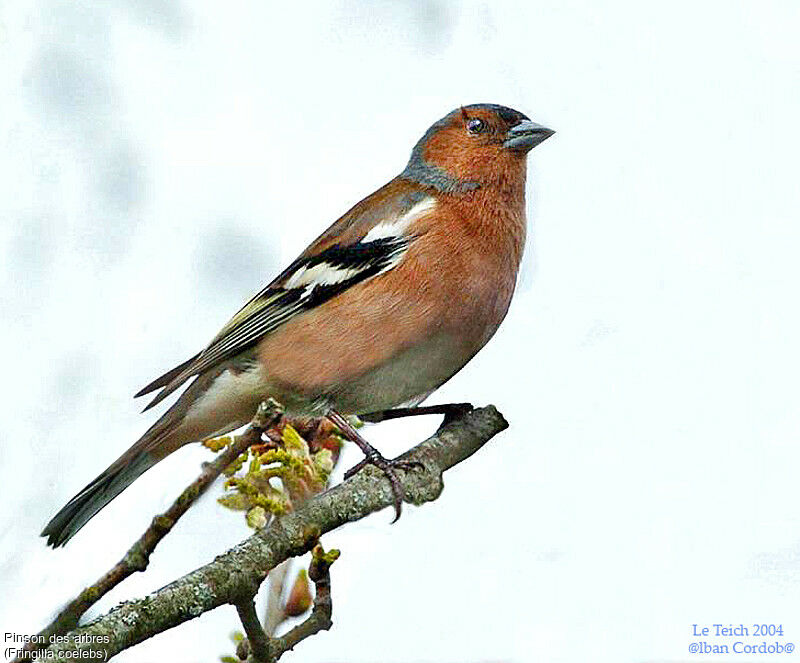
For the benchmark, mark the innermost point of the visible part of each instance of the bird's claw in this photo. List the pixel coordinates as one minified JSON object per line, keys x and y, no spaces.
{"x":389,"y":469}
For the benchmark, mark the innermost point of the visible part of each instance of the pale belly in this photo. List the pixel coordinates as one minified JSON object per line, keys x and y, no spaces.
{"x":407,"y":378}
{"x":233,"y":396}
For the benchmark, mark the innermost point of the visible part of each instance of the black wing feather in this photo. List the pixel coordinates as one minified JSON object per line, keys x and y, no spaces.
{"x":276,"y":304}
{"x":166,"y":378}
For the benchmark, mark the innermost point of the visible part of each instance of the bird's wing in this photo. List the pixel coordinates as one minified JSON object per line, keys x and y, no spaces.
{"x":369,"y":240}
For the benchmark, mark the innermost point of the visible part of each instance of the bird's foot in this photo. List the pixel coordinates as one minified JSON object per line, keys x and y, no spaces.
{"x":374,"y":457}
{"x":389,"y":469}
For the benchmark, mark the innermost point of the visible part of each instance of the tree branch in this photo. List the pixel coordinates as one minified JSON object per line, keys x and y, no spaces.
{"x":321,"y":615}
{"x":236,"y":575}
{"x":259,"y":647}
{"x":258,"y":644}
{"x":138,"y":556}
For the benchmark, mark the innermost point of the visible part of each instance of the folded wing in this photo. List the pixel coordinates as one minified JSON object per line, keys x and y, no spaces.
{"x":312,"y":279}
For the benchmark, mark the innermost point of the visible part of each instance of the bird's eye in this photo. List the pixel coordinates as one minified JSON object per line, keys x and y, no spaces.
{"x":475,"y":126}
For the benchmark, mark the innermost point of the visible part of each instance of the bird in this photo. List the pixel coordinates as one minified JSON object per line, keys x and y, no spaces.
{"x":380,"y":310}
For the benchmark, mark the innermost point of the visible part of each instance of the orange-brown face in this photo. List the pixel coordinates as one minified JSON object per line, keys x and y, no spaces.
{"x":476,"y":146}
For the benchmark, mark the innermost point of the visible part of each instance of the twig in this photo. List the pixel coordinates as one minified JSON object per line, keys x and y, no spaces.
{"x":258,"y":644}
{"x":138,"y":555}
{"x":321,"y":613}
{"x":261,"y":648}
{"x":239,"y":572}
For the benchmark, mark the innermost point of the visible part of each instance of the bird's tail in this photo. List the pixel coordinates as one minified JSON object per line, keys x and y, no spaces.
{"x":174,"y":429}
{"x":81,"y":508}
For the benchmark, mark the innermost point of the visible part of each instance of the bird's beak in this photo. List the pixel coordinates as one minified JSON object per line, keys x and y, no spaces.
{"x":526,"y":135}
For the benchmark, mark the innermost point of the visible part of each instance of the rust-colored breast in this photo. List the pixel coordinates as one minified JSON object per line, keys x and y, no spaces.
{"x":449,"y":294}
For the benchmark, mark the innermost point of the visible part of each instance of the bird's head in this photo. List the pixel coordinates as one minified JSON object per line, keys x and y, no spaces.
{"x":474,"y":146}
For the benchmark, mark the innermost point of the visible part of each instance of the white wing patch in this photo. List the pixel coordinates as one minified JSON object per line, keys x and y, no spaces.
{"x":321,"y":274}
{"x":395,"y":258}
{"x":314,"y":280}
{"x":328,"y":274}
{"x":396,"y":227}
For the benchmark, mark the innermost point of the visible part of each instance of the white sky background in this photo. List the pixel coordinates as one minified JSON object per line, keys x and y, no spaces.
{"x":160,"y":161}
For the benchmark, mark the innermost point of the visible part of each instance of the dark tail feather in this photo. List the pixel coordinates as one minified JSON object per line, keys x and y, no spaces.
{"x":160,"y":440}
{"x":176,"y":384}
{"x":165,"y":379}
{"x":81,"y":508}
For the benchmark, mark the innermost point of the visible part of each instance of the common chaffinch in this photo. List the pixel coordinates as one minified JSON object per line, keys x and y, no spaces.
{"x":379,"y":311}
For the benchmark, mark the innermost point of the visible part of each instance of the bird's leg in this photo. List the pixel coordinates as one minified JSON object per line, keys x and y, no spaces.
{"x":449,"y":410}
{"x":374,"y":457}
